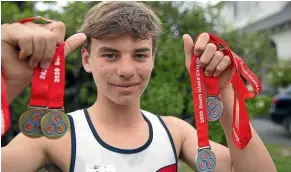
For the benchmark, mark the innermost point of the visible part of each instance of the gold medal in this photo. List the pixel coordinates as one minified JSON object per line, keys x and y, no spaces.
{"x":29,"y":122}
{"x":55,"y":124}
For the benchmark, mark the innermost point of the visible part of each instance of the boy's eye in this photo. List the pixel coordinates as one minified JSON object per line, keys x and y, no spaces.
{"x":110,"y":56}
{"x":140,"y":56}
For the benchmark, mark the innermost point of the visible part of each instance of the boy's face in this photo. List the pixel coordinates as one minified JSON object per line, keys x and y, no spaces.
{"x":121,"y":67}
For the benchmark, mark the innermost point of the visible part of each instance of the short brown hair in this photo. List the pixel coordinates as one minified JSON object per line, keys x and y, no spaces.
{"x":121,"y":18}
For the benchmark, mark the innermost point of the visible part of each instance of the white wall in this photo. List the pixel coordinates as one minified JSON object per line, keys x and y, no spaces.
{"x":252,"y":13}
{"x":283,"y":44}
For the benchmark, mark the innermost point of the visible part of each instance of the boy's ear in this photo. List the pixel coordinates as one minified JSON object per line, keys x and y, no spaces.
{"x":86,"y":60}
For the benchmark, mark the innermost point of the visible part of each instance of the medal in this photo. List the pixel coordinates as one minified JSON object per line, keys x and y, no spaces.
{"x":55,"y":123}
{"x":213,"y":103}
{"x":205,"y":160}
{"x":214,"y":108}
{"x":29,"y":122}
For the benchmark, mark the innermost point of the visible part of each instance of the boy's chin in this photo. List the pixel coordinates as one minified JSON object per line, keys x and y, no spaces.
{"x":127,"y":101}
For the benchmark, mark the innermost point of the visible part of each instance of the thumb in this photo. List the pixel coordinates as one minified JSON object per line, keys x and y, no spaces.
{"x":74,"y":41}
{"x":188,"y":49}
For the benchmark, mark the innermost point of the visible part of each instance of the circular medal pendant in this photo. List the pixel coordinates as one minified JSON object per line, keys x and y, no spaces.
{"x":29,"y":122}
{"x":205,"y":161}
{"x":54,"y":124}
{"x":214,"y":108}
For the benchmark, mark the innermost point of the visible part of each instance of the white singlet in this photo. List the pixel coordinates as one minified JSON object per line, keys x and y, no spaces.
{"x":91,"y":154}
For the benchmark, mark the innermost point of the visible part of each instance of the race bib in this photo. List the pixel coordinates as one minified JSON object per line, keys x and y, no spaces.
{"x":100,"y":168}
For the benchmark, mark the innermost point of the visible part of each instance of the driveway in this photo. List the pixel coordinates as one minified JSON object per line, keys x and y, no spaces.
{"x":271,"y":133}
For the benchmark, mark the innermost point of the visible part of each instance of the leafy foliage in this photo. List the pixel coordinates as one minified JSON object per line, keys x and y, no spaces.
{"x":259,"y":105}
{"x":281,"y":74}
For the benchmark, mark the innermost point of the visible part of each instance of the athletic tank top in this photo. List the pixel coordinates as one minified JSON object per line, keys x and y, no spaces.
{"x":91,"y":154}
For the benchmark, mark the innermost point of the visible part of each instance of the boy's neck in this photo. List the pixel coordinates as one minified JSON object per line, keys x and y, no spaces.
{"x":109,"y":113}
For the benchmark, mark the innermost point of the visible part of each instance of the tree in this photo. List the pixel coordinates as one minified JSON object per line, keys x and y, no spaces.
{"x":280,"y":75}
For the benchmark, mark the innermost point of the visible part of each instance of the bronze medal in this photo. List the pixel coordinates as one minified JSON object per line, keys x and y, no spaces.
{"x":55,"y":124}
{"x":29,"y":122}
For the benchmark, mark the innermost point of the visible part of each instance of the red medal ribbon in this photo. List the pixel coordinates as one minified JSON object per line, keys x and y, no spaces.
{"x":56,"y":78}
{"x":39,"y":88}
{"x":34,"y":18}
{"x":48,"y":85}
{"x":5,"y":112}
{"x":47,"y":88}
{"x":198,"y":94}
{"x":249,"y":76}
{"x":212,"y":86}
{"x":241,"y":135}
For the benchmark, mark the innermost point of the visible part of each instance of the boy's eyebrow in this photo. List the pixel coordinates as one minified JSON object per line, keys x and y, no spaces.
{"x":108,"y":49}
{"x":139,"y":50}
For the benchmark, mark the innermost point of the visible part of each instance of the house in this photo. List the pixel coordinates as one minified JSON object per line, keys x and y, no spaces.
{"x":257,"y":16}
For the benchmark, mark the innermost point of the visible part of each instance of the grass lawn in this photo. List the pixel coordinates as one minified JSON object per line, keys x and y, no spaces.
{"x":281,"y":157}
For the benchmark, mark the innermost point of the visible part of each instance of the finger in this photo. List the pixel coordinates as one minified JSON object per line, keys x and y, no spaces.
{"x":74,"y":41}
{"x":39,"y":44}
{"x":209,"y":69}
{"x":207,"y":54}
{"x":224,"y":63}
{"x":201,"y":43}
{"x":188,"y":48}
{"x":59,"y":29}
{"x":54,"y":34}
{"x":51,"y":44}
{"x":18,"y":35}
{"x":25,"y":44}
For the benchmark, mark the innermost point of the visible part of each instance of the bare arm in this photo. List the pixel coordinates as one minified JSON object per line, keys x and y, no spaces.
{"x":23,"y":154}
{"x":189,"y":149}
{"x":255,"y":157}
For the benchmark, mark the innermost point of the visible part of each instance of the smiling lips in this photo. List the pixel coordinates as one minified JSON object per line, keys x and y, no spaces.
{"x":126,"y":88}
{"x":126,"y":85}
